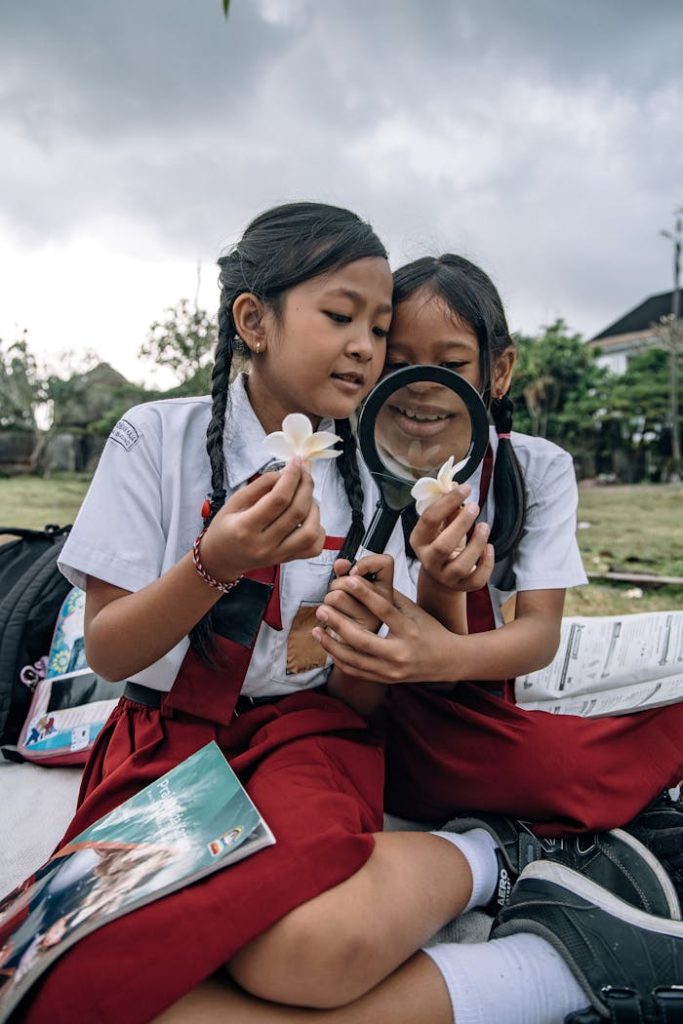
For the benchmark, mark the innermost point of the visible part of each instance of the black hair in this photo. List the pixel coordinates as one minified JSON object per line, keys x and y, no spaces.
{"x":471,"y":296}
{"x":280,"y":249}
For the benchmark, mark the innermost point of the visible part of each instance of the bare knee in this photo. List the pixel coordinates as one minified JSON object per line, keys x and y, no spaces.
{"x":308,"y":959}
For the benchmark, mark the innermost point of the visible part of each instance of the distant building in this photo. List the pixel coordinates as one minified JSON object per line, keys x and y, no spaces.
{"x":632,"y":333}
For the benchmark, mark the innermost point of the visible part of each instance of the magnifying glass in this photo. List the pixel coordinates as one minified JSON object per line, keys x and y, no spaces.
{"x":410,"y":424}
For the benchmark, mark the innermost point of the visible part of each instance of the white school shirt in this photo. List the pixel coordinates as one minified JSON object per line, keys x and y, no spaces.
{"x":547,"y":557}
{"x":142,"y":514}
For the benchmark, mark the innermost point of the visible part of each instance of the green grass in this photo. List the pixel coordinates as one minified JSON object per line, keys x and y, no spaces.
{"x":33,"y":501}
{"x":633,"y":529}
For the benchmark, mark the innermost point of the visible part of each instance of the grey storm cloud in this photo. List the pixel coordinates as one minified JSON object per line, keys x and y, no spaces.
{"x":541,"y":137}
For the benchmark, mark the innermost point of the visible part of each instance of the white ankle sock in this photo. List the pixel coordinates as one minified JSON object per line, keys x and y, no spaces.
{"x":520,"y":979}
{"x":478,"y":847}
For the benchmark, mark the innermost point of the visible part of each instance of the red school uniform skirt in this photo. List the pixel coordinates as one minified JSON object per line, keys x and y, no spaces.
{"x":475,"y":750}
{"x":313,"y":768}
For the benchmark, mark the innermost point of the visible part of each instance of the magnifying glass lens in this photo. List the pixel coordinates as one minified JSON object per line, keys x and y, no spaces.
{"x":419,"y":427}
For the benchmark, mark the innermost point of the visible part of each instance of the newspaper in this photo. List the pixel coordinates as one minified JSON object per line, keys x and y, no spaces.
{"x":609,"y":665}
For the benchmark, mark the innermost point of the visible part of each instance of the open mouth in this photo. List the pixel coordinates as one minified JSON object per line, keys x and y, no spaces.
{"x":420,"y":422}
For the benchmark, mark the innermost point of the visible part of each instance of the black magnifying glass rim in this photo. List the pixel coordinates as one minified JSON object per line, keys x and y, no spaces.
{"x":432,"y":374}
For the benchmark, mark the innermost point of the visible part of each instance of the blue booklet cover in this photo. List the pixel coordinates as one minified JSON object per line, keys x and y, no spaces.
{"x":196,"y":819}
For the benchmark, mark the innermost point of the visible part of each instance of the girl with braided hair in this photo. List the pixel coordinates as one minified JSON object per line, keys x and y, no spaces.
{"x":207,"y":612}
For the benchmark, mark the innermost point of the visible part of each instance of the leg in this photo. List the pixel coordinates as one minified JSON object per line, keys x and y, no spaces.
{"x":336,"y":947}
{"x":415,"y":994}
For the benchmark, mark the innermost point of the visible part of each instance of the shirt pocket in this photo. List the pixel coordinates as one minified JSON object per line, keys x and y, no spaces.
{"x":303,"y":585}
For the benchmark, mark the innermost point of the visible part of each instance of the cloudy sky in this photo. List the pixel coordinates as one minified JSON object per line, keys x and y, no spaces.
{"x":541,"y":138}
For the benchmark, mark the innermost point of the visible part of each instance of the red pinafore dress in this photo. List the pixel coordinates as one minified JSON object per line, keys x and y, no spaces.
{"x":314,"y":769}
{"x":475,"y":750}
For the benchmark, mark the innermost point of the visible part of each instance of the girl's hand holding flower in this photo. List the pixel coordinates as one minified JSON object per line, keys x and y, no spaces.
{"x":271,"y":520}
{"x":440,"y":538}
{"x":297,"y":439}
{"x":274,"y":518}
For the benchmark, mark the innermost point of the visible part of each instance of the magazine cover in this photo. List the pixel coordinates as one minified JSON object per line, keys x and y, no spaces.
{"x":194,"y":820}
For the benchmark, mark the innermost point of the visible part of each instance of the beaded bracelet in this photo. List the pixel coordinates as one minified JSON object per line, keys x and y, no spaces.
{"x":224,"y":588}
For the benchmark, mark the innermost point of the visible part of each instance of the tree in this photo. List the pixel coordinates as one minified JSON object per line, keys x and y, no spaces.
{"x":563,"y":390}
{"x":21,"y":388}
{"x":639,"y":412}
{"x":184,"y":342}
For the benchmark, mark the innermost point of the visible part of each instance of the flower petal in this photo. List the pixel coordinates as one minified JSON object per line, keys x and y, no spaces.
{"x":277,"y":444}
{"x":321,"y":455}
{"x":321,"y":440}
{"x":425,"y":486}
{"x":445,"y":475}
{"x":423,"y":504}
{"x":297,"y":429}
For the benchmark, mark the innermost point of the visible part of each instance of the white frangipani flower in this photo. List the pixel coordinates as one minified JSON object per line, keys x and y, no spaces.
{"x":429,"y":489}
{"x":297,"y":438}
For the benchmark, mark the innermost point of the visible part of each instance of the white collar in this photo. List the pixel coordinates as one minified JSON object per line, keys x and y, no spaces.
{"x":243,"y":438}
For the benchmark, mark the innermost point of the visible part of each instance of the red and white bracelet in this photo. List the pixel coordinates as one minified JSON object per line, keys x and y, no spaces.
{"x":224,"y":588}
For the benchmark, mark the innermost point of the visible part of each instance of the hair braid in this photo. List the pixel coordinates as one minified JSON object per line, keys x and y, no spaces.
{"x":220,"y":378}
{"x":347,"y":465}
{"x":507,"y":480}
{"x":201,"y":636}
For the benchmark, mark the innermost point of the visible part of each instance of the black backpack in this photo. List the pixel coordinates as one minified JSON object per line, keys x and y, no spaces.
{"x":31,"y":593}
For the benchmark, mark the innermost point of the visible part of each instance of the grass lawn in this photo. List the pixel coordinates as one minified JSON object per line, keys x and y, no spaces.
{"x":33,"y":501}
{"x":632,"y":529}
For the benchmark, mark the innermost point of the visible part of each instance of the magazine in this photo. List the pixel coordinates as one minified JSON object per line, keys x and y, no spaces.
{"x":610,"y":665}
{"x":194,"y":820}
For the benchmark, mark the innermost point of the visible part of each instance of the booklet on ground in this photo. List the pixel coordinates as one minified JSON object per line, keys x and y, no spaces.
{"x":610,"y":665}
{"x":194,"y":820}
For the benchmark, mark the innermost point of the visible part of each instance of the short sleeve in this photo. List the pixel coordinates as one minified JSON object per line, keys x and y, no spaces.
{"x":118,"y":535}
{"x":548,"y":555}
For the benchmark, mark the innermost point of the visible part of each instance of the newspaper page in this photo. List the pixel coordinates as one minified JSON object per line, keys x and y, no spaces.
{"x":610,"y":665}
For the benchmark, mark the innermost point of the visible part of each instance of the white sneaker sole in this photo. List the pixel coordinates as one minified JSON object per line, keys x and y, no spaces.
{"x":668,"y":888}
{"x":570,"y":880}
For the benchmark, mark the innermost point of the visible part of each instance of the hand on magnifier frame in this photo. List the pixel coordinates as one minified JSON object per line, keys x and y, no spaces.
{"x":379,"y":569}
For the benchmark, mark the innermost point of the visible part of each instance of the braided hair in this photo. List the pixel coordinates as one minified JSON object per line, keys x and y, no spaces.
{"x":280,"y":249}
{"x":472,"y":297}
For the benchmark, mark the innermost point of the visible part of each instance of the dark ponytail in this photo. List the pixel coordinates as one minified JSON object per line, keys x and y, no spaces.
{"x":280,"y":249}
{"x":471,"y":296}
{"x":508,"y":521}
{"x":347,"y":465}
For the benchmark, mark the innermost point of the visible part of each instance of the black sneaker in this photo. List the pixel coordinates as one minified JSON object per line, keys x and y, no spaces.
{"x":629,"y":963}
{"x":660,"y":828}
{"x":616,"y":860}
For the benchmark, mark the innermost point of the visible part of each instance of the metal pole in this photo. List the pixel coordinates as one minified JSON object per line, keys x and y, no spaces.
{"x":676,"y":238}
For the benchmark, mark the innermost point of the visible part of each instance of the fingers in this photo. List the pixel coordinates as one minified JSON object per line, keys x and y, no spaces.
{"x":391,"y":611}
{"x":379,"y":566}
{"x":379,"y":569}
{"x":430,"y":522}
{"x":248,"y":495}
{"x":467,"y":558}
{"x":305,"y":539}
{"x":482,"y":573}
{"x":348,"y":660}
{"x":346,"y":604}
{"x":288,"y":504}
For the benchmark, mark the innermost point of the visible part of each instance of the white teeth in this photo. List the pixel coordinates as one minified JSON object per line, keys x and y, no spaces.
{"x":428,"y":419}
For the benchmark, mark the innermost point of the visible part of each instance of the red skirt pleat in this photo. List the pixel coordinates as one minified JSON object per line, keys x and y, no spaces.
{"x":315,"y":772}
{"x":475,"y":751}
